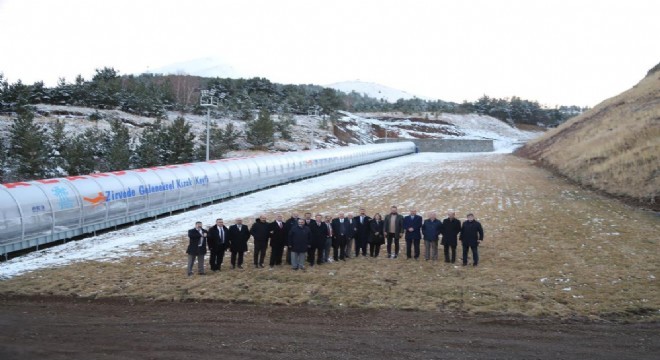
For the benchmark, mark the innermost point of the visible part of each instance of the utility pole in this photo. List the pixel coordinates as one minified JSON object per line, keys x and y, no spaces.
{"x":209,"y":99}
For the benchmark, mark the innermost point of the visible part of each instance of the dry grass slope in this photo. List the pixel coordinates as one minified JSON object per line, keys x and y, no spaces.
{"x":614,"y":147}
{"x":551,"y":249}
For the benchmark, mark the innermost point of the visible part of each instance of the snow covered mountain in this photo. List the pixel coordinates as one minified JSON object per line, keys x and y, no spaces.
{"x":373,"y":90}
{"x":204,"y":67}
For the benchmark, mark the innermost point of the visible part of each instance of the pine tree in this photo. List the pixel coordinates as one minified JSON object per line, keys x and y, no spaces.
{"x":29,"y":148}
{"x":59,"y":143}
{"x":284,"y":126}
{"x":151,"y":148}
{"x":118,"y":140}
{"x":181,"y":142}
{"x":229,"y":138}
{"x":261,"y":131}
{"x":83,"y":152}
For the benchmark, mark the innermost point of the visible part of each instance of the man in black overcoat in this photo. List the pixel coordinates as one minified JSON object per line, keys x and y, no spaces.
{"x":472,"y":234}
{"x":451,"y":227}
{"x":319,"y":231}
{"x":278,"y":240}
{"x":239,"y":235}
{"x":217,"y":242}
{"x":196,"y":248}
{"x":362,"y":230}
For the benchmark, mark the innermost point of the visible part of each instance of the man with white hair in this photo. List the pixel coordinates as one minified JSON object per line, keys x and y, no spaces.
{"x":431,"y":231}
{"x":239,"y":235}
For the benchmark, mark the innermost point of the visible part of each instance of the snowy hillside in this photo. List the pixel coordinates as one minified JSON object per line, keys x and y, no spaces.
{"x":205,"y":67}
{"x":373,"y":90}
{"x":308,"y":131}
{"x":368,"y":127}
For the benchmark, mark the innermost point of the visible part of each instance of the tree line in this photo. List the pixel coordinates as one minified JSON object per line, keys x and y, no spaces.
{"x":34,"y":151}
{"x":152,"y":95}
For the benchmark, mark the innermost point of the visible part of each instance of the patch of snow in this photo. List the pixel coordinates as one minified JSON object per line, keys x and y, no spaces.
{"x":114,"y":245}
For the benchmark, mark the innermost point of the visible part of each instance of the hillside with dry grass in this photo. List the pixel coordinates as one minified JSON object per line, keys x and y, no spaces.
{"x":551,"y":249}
{"x":614,"y":147}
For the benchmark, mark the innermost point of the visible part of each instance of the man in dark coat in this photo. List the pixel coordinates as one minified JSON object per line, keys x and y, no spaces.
{"x":278,"y":240}
{"x":300,"y":240}
{"x":362,"y":229}
{"x":319,"y":234}
{"x":290,"y":224}
{"x":472,"y":234}
{"x":431,"y":230}
{"x":239,"y":235}
{"x":451,"y":227}
{"x":260,"y":232}
{"x":217,"y":241}
{"x":342,"y":231}
{"x":196,"y":248}
{"x":393,"y":228}
{"x":413,"y":225}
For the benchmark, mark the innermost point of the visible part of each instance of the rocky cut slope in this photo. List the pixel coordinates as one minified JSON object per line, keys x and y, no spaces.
{"x":614,"y":147}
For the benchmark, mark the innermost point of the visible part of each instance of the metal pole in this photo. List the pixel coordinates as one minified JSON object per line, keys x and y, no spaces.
{"x":208,"y":131}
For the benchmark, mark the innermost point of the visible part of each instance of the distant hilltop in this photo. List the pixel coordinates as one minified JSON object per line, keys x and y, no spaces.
{"x":373,"y":90}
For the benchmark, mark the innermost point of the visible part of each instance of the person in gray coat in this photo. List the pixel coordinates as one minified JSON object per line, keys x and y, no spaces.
{"x":300,"y":240}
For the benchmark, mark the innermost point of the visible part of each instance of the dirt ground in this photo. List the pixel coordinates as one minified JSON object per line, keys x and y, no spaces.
{"x":52,"y":328}
{"x":565,"y":274}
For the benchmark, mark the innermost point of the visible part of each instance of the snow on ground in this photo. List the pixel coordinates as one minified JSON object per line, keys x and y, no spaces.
{"x":505,"y":138}
{"x":114,"y":245}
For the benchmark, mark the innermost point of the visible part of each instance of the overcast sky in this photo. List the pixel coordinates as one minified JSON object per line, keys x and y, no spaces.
{"x":557,"y":52}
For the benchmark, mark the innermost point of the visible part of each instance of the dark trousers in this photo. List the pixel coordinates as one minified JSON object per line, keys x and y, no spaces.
{"x":276,"y":255}
{"x":409,"y":245}
{"x":235,"y":254}
{"x":315,"y":249}
{"x":339,"y":247}
{"x":260,"y":252}
{"x":453,"y":253}
{"x":475,"y":254}
{"x":288,"y":255}
{"x":217,"y":255}
{"x":374,"y":250}
{"x":360,"y":246}
{"x":392,"y":238}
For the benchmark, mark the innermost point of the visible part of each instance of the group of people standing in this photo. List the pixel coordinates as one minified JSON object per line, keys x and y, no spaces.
{"x":322,"y":239}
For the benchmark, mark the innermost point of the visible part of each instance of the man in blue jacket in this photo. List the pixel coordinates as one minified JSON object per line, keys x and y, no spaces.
{"x":413,"y":224}
{"x":431,"y":229}
{"x":472,"y":234}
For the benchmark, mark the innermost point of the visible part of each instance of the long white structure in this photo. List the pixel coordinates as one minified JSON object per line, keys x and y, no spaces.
{"x":38,"y":212}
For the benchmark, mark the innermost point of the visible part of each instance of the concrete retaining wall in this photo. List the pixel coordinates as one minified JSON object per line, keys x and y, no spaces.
{"x":447,"y":145}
